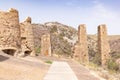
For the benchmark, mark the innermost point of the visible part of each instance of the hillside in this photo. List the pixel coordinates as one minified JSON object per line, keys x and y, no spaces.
{"x":64,"y":37}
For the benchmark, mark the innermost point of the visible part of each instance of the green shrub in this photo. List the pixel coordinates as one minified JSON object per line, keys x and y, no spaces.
{"x":97,"y":59}
{"x":38,"y":50}
{"x":115,"y":55}
{"x":49,"y":62}
{"x":54,"y":29}
{"x":112,"y":65}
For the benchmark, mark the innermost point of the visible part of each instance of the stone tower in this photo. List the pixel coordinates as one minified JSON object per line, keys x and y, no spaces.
{"x":46,"y":45}
{"x":103,"y":45}
{"x":10,"y":41}
{"x":81,"y":51}
{"x":27,"y":37}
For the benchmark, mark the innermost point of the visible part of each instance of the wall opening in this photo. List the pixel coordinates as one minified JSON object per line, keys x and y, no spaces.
{"x":9,"y":51}
{"x":27,"y":53}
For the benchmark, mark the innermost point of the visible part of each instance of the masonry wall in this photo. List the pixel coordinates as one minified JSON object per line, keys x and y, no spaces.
{"x":81,"y":48}
{"x":27,"y":37}
{"x":103,"y":45}
{"x":9,"y":30}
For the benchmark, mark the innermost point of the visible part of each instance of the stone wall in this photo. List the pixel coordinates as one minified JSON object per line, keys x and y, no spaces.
{"x":10,"y":41}
{"x":46,"y":45}
{"x":27,"y":37}
{"x":81,"y":48}
{"x":103,"y":45}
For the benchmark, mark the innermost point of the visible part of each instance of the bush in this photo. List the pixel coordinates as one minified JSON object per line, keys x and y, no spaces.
{"x":115,"y":55}
{"x":38,"y":50}
{"x":97,"y":59}
{"x":112,"y":65}
{"x":49,"y":62}
{"x":54,"y":29}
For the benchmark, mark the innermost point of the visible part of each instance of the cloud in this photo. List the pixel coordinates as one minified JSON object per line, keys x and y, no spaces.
{"x":99,"y":14}
{"x":103,"y":15}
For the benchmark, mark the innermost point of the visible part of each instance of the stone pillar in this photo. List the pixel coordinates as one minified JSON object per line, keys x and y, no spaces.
{"x":103,"y":45}
{"x":81,"y":50}
{"x":27,"y":37}
{"x":46,"y":45}
{"x":10,"y":41}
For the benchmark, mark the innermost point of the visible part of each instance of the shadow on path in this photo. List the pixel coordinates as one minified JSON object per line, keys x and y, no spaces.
{"x":3,"y":58}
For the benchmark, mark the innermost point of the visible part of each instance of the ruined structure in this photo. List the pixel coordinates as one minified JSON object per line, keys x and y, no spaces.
{"x":46,"y":45}
{"x":81,"y":48}
{"x":27,"y":37}
{"x":10,"y":41}
{"x":38,"y":30}
{"x":103,"y":45}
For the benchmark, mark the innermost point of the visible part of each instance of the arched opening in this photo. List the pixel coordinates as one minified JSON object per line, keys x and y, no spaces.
{"x":9,"y":51}
{"x":27,"y":53}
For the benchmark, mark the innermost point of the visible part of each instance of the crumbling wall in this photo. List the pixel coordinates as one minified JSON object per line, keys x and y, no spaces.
{"x":27,"y":37}
{"x":10,"y":32}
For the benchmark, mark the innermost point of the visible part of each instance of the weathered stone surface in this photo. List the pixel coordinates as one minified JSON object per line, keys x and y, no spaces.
{"x":81,"y":52}
{"x":28,"y":20}
{"x":27,"y":37}
{"x":103,"y":45}
{"x":46,"y":45}
{"x":76,"y":51}
{"x":10,"y":31}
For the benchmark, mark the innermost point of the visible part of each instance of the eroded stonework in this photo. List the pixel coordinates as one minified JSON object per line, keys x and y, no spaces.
{"x":10,"y":41}
{"x":27,"y":37}
{"x":103,"y":45}
{"x":46,"y":45}
{"x":81,"y":48}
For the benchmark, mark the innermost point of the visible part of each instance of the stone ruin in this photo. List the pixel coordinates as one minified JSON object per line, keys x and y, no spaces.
{"x":81,"y":47}
{"x":27,"y":37}
{"x":10,"y":41}
{"x":103,"y":45}
{"x":16,"y":38}
{"x":46,"y":45}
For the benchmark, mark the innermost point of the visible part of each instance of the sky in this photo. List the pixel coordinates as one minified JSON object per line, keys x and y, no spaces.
{"x":70,"y":12}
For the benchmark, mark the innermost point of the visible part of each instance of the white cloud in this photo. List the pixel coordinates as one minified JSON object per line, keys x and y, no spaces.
{"x":99,"y":14}
{"x":103,"y":15}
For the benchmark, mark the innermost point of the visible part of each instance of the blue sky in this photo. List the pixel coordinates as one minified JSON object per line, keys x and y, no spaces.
{"x":70,"y":12}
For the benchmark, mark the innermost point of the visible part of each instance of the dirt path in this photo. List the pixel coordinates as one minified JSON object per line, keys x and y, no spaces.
{"x":17,"y":69}
{"x":81,"y":72}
